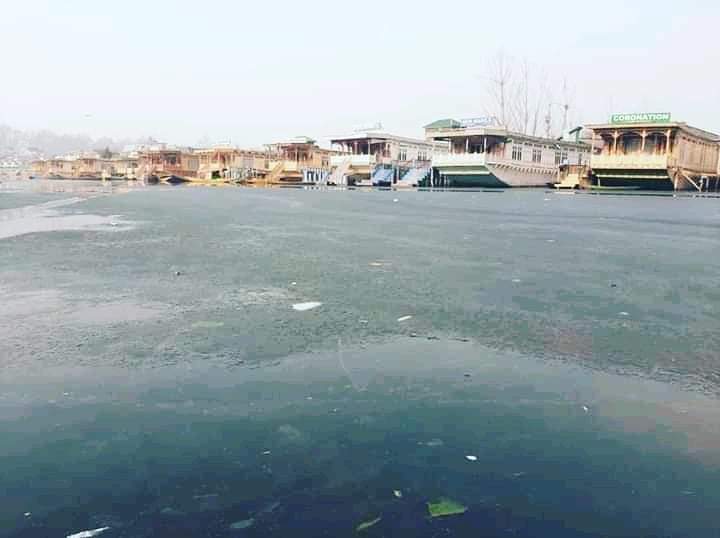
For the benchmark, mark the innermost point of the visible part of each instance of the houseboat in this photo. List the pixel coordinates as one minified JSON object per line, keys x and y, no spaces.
{"x":86,"y":165}
{"x":298,"y":161}
{"x":224,"y":162}
{"x":125,"y":166}
{"x":376,"y":158}
{"x":171,"y":164}
{"x":650,"y":151}
{"x":485,"y":154}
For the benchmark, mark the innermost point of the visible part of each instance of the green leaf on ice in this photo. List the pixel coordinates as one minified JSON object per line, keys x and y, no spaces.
{"x":367,"y":524}
{"x":445,"y":507}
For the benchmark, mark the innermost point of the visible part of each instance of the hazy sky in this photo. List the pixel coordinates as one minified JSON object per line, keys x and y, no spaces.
{"x":254,"y":72}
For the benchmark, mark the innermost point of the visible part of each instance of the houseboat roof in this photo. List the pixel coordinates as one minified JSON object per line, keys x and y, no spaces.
{"x":700,"y":133}
{"x":215,"y":149}
{"x":379,"y":136}
{"x":448,"y":129}
{"x":295,"y":141}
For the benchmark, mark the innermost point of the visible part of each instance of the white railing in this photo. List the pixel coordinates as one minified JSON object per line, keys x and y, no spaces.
{"x":459,"y":159}
{"x":636,"y":160}
{"x":354,"y":160}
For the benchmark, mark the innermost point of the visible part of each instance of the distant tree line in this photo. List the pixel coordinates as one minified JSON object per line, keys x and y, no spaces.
{"x":48,"y":143}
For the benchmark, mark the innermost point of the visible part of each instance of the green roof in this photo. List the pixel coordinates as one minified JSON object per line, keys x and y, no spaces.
{"x":444,"y":124}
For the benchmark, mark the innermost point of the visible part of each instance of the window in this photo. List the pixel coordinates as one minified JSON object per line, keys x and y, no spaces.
{"x":402,"y":155}
{"x":564,"y":158}
{"x":558,"y":157}
{"x":536,"y":155}
{"x":517,"y":153}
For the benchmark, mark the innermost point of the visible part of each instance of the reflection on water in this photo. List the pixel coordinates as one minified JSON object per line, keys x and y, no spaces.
{"x":157,"y":380}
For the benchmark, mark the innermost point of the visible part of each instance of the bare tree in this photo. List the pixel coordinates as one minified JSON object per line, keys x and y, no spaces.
{"x":520,"y":97}
{"x":500,"y":83}
{"x":541,"y":98}
{"x":524,"y":95}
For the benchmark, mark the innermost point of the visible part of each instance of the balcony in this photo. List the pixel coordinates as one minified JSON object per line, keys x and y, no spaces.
{"x":354,"y":160}
{"x":639,"y":161}
{"x":459,"y":159}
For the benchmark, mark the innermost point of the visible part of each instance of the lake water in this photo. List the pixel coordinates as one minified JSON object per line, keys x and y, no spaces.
{"x":156,"y":379}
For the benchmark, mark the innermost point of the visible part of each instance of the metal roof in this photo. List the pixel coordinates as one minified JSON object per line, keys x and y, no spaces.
{"x":448,"y":123}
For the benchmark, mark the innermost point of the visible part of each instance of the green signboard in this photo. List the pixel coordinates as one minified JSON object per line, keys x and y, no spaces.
{"x":646,"y":117}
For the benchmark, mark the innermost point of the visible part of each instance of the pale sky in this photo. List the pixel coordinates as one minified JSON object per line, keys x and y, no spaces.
{"x":253,"y":72}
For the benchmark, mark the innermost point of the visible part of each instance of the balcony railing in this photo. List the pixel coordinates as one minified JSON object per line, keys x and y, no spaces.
{"x":355,"y":160}
{"x":459,"y":159}
{"x":635,"y":160}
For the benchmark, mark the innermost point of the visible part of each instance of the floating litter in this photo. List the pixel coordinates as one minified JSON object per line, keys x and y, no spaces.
{"x":550,"y":240}
{"x":367,"y":524}
{"x":397,"y":493}
{"x":304,"y":307}
{"x":471,"y":458}
{"x":364,"y":322}
{"x":244,"y":524}
{"x":269,"y":509}
{"x":586,"y":408}
{"x":267,"y":453}
{"x":404,"y":318}
{"x":27,"y":514}
{"x":171,"y":512}
{"x":88,"y":534}
{"x":624,"y":314}
{"x":395,"y":200}
{"x":293,"y":283}
{"x":445,"y":507}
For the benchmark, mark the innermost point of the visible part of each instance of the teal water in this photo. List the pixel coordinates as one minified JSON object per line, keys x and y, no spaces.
{"x":156,"y":379}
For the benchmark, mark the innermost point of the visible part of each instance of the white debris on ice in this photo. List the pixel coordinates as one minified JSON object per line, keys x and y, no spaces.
{"x":89,"y":534}
{"x":304,"y":307}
